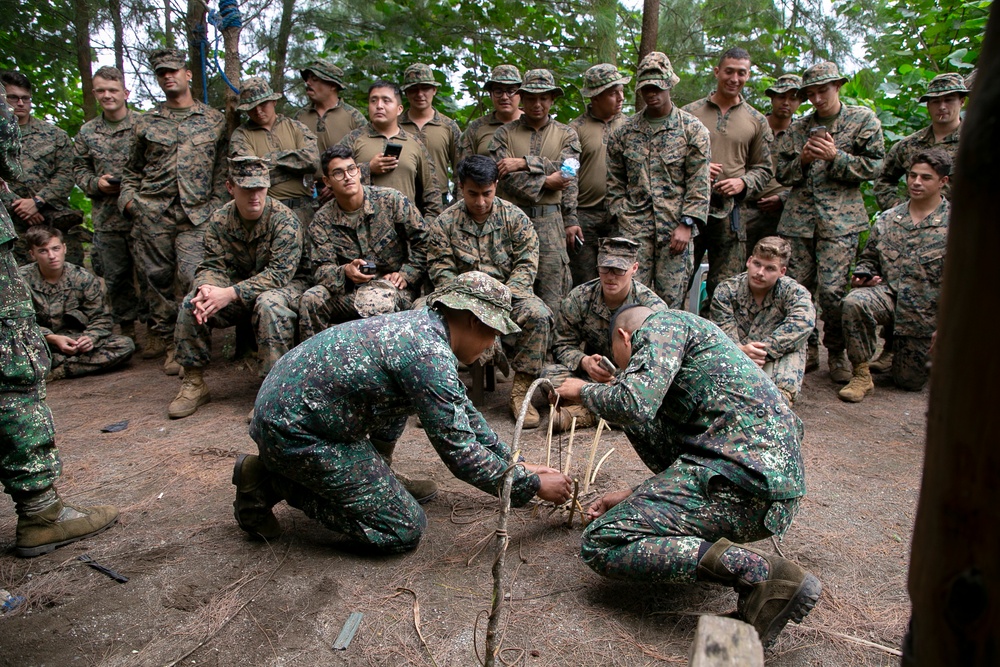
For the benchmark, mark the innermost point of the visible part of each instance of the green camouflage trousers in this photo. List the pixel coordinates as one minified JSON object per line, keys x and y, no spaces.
{"x":169,"y":251}
{"x":532,"y":344}
{"x":758,"y":224}
{"x":29,"y":459}
{"x":596,"y":224}
{"x":822,"y":266}
{"x":116,"y":253}
{"x":788,"y":371}
{"x":111,"y":352}
{"x":273,"y":319}
{"x":864,"y":308}
{"x":553,"y":280}
{"x":318,"y":309}
{"x":346,"y":486}
{"x":726,"y":250}
{"x":654,"y":534}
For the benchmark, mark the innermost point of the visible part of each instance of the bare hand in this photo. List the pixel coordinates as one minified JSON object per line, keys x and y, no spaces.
{"x":569,"y":390}
{"x":600,"y":506}
{"x":756,"y":351}
{"x":820,"y":147}
{"x":571,"y":234}
{"x":382,"y":164}
{"x":857,"y":281}
{"x":64,"y":344}
{"x":509,"y":165}
{"x":108,"y":188}
{"x":730,"y":187}
{"x":714,"y":170}
{"x":556,"y":181}
{"x":353,"y":272}
{"x":84,"y":344}
{"x":679,"y":239}
{"x":397,"y":280}
{"x":770,"y":204}
{"x":210,"y":300}
{"x":555,"y":486}
{"x":592,"y":365}
{"x":25,"y":208}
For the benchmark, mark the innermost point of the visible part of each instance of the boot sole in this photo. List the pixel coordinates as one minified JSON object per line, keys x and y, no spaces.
{"x":798,"y":608}
{"x":237,"y":473}
{"x":41,"y":549}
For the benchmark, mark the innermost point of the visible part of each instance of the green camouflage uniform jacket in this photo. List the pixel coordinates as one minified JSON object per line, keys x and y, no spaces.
{"x":504,"y":246}
{"x":889,"y":191}
{"x":46,"y":166}
{"x":103,"y":148}
{"x":782,"y":322}
{"x":390,"y":232}
{"x":333,"y":126}
{"x":363,"y":378}
{"x":440,"y":136}
{"x":15,"y":301}
{"x":289,"y":146}
{"x":689,"y":393}
{"x":826,"y":200}
{"x":171,"y":159}
{"x":584,"y":320}
{"x":478,"y":134}
{"x":252,"y":261}
{"x":910,"y":258}
{"x":76,"y":304}
{"x":658,"y":173}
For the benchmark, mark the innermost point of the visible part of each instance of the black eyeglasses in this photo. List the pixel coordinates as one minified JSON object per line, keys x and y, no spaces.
{"x":19,"y":98}
{"x":344,"y":174}
{"x":504,"y":92}
{"x":605,"y":270}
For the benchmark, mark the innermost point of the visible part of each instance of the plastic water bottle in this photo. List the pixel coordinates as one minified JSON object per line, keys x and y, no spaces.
{"x":570,"y":167}
{"x":9,"y":602}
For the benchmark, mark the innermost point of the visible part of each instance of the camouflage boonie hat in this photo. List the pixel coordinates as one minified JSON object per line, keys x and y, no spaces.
{"x":254,"y":91}
{"x":945,"y":84}
{"x":655,"y":70}
{"x":167,"y":59}
{"x":326,"y":70}
{"x":821,"y":73}
{"x":249,"y":171}
{"x":538,"y":81}
{"x":485,"y":297}
{"x":784,"y":84}
{"x":418,"y":74}
{"x":617,"y":252}
{"x":599,"y":78}
{"x":376,"y":297}
{"x":503,"y":75}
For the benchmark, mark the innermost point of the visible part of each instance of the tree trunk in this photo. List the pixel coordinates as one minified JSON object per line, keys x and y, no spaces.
{"x":231,"y":37}
{"x":647,"y":42}
{"x":81,"y":25}
{"x":954,"y":579}
{"x":605,"y":31}
{"x":115,"y":7}
{"x":168,"y":30}
{"x":280,"y":51}
{"x":196,"y":27}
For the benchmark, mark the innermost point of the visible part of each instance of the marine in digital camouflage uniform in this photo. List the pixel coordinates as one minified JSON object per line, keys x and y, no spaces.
{"x":724,"y":448}
{"x":175,"y":178}
{"x":502,"y":86}
{"x":253,"y":246}
{"x":287,"y":145}
{"x":332,"y":404}
{"x":361,"y":223}
{"x":29,"y":458}
{"x":905,"y":257}
{"x":768,"y":315}
{"x":825,"y":211}
{"x":604,"y":88}
{"x":658,"y":182}
{"x":101,"y":150}
{"x":582,"y":333}
{"x":530,"y":152}
{"x":439,"y":133}
{"x":46,"y":181}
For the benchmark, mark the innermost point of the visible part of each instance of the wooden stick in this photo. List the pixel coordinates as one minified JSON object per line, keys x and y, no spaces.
{"x":593,"y":452}
{"x":548,"y":440}
{"x":569,"y":449}
{"x":600,"y":463}
{"x":574,"y":504}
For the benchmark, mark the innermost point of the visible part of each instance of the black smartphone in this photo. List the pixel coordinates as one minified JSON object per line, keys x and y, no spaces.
{"x":577,"y":243}
{"x":393,"y":150}
{"x":368,"y":268}
{"x":819,"y":129}
{"x":114,"y":181}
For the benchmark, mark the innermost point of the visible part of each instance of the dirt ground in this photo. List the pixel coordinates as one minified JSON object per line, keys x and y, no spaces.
{"x":200,"y":593}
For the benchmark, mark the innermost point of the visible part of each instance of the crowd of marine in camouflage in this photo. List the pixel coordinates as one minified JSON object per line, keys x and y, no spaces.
{"x":370,"y":257}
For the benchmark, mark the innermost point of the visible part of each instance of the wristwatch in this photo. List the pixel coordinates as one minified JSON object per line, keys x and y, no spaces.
{"x":687,"y":221}
{"x":38,"y":203}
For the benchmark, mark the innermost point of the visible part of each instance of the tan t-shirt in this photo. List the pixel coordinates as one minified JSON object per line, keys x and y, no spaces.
{"x":593,"y":176}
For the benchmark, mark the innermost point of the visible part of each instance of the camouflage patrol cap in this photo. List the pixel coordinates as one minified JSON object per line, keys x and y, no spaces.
{"x":538,"y":81}
{"x":249,"y":171}
{"x":617,"y":252}
{"x":503,"y":75}
{"x":326,"y":70}
{"x":485,"y":297}
{"x":599,"y":78}
{"x":167,"y":59}
{"x":821,"y":73}
{"x":418,"y":74}
{"x":945,"y":84}
{"x":784,"y":84}
{"x":254,"y":91}
{"x":376,"y":297}
{"x":655,"y":70}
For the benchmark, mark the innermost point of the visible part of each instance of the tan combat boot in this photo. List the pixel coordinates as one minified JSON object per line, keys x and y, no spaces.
{"x":883,"y":363}
{"x":422,"y":490}
{"x":255,"y":497}
{"x":193,"y":394}
{"x":517,"y":393}
{"x":155,"y":346}
{"x":170,"y":365}
{"x":564,"y":418}
{"x":860,"y":385}
{"x":39,"y":532}
{"x":840,"y":367}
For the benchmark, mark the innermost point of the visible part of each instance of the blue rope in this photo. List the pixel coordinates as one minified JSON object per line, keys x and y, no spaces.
{"x":228,"y":16}
{"x":201,"y":37}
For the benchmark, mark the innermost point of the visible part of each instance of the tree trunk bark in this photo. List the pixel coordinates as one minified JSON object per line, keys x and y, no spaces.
{"x":231,"y":37}
{"x":650,"y":33}
{"x":115,"y":7}
{"x":168,"y":30}
{"x":81,"y":25}
{"x":194,"y":22}
{"x":954,"y":579}
{"x":605,"y":32}
{"x":281,"y":49}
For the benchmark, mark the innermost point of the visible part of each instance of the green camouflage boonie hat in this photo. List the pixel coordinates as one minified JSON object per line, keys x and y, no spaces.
{"x":254,"y":91}
{"x":538,"y":81}
{"x":821,"y":73}
{"x":503,"y":75}
{"x":784,"y":84}
{"x":599,"y":78}
{"x":419,"y":74}
{"x":167,"y":59}
{"x":945,"y":84}
{"x":326,"y":70}
{"x":376,"y":297}
{"x":485,"y":297}
{"x":655,"y":70}
{"x":249,"y":171}
{"x":617,"y":252}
